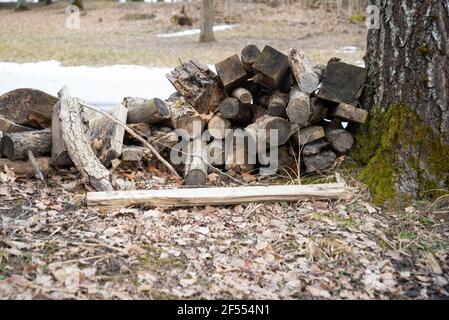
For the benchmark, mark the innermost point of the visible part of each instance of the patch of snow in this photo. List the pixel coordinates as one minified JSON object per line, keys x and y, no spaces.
{"x":192,"y":32}
{"x":102,"y":86}
{"x":348,"y":49}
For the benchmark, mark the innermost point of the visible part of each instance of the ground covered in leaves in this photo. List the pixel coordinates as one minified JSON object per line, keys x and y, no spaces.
{"x":54,"y":247}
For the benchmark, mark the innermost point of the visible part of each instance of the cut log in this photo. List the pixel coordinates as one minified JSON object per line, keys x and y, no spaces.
{"x":231,"y":108}
{"x":259,"y":131}
{"x":238,"y":159}
{"x":164,"y":142}
{"x":142,"y":129}
{"x":273,"y":66}
{"x":217,"y":126}
{"x":284,"y":164}
{"x":8,"y":126}
{"x":28,"y":107}
{"x":198,"y":85}
{"x":298,"y":109}
{"x":196,"y":166}
{"x":77,"y":145}
{"x":185,"y":118}
{"x":217,"y":196}
{"x":277,"y":104}
{"x":315,"y":147}
{"x":24,"y":169}
{"x":16,"y":145}
{"x":320,"y":162}
{"x":308,"y":135}
{"x":59,"y":155}
{"x":249,"y":56}
{"x":106,"y":136}
{"x":350,"y":113}
{"x":319,"y":70}
{"x":257,"y":111}
{"x":318,"y":110}
{"x":135,"y":154}
{"x":340,"y":140}
{"x":216,"y":153}
{"x":243,"y":95}
{"x":342,"y":83}
{"x":231,"y":72}
{"x":306,"y":78}
{"x":146,"y":111}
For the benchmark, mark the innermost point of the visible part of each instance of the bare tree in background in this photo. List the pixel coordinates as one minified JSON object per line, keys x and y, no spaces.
{"x":207,"y":21}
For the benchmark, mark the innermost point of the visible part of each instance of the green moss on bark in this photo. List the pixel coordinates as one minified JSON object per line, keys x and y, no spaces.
{"x":404,"y":159}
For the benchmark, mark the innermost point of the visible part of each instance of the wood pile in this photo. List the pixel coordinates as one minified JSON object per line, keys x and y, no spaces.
{"x":257,"y":91}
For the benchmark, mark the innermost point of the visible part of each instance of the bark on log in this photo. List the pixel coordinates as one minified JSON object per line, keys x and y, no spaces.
{"x":186,"y":118}
{"x":198,"y":85}
{"x":59,"y":155}
{"x":231,"y":72}
{"x":315,"y":147}
{"x":259,"y":131}
{"x":217,"y":127}
{"x":237,"y":159}
{"x":320,"y":162}
{"x":298,"y":109}
{"x":350,"y":113}
{"x":308,"y":135}
{"x":302,"y":69}
{"x":146,"y":111}
{"x":196,"y":166}
{"x":78,"y":147}
{"x":243,"y":95}
{"x":142,"y":129}
{"x":217,"y":196}
{"x":135,"y":154}
{"x":106,"y":136}
{"x":8,"y":126}
{"x":16,"y":145}
{"x":28,"y":107}
{"x":231,"y":108}
{"x":24,"y":169}
{"x":216,"y":152}
{"x":273,"y":66}
{"x":249,"y":56}
{"x":339,"y":139}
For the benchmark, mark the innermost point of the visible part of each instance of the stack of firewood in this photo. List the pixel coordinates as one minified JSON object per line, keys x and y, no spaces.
{"x":307,"y":105}
{"x":312,"y":108}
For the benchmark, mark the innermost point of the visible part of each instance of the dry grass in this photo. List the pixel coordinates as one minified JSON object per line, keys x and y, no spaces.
{"x":109,"y":36}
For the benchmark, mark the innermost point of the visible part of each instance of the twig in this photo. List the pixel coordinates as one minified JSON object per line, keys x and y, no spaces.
{"x":135,"y":135}
{"x":35,"y":166}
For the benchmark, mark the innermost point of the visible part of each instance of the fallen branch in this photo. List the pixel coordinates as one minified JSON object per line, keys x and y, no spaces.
{"x":135,"y":135}
{"x":217,"y":196}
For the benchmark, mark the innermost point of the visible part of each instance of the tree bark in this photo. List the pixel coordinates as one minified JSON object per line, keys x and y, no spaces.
{"x":405,"y":142}
{"x":77,"y":145}
{"x":207,"y":21}
{"x":16,"y":145}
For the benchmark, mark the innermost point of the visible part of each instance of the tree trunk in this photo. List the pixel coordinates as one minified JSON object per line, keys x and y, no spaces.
{"x":207,"y":21}
{"x":405,"y":142}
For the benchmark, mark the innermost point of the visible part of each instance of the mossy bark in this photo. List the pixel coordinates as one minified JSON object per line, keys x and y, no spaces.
{"x":405,"y":143}
{"x":404,"y":158}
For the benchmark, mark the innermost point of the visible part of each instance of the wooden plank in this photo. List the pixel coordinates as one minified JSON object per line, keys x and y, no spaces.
{"x":217,"y":196}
